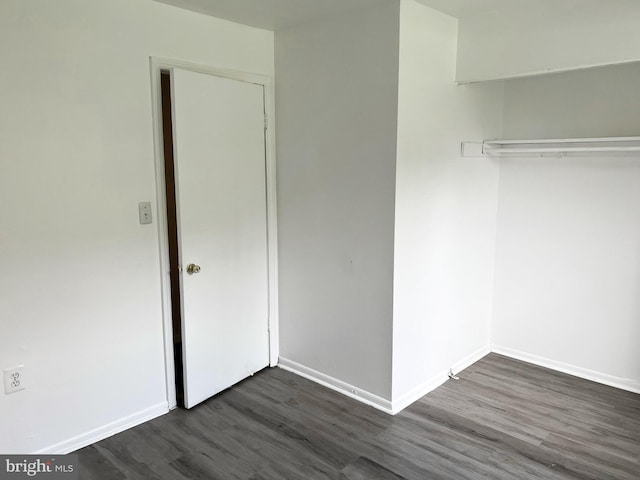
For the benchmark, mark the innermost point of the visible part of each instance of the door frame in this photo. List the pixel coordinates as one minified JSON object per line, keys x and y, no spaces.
{"x":157,"y":65}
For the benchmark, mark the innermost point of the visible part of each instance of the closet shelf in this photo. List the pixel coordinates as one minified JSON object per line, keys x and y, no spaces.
{"x":557,"y":147}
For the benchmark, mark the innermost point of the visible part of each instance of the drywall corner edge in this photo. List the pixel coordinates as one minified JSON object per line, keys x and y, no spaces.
{"x":437,"y":380}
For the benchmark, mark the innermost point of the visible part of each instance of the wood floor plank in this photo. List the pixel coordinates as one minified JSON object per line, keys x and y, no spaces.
{"x":199,"y":465}
{"x":503,"y":420}
{"x":366,"y":469}
{"x":95,"y":466}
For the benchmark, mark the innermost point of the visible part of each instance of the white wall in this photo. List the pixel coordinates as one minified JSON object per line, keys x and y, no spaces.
{"x":336,"y":106}
{"x":527,"y":38}
{"x":80,"y":303}
{"x":445,"y":209}
{"x":568,"y":244}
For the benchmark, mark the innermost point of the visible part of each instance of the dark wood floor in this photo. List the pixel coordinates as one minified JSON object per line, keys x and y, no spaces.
{"x":503,"y":419}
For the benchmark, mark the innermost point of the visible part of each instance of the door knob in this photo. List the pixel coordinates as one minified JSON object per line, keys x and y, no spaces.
{"x":193,"y":268}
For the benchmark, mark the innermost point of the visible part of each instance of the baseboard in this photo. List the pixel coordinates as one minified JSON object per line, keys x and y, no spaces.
{"x":470,"y":359}
{"x":352,"y":391}
{"x":434,"y":382}
{"x":599,"y":377}
{"x":418,"y":392}
{"x":105,"y":431}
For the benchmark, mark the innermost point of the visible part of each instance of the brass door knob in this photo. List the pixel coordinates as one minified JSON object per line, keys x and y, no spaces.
{"x":193,"y":268}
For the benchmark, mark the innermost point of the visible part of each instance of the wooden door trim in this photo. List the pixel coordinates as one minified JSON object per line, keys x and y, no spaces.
{"x":157,"y":65}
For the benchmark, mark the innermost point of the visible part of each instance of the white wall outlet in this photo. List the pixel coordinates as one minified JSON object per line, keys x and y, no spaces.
{"x":144,"y":211}
{"x":13,"y":379}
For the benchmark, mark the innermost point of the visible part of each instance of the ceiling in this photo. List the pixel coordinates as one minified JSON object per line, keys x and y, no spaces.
{"x":464,"y":8}
{"x":281,"y":14}
{"x":273,"y":14}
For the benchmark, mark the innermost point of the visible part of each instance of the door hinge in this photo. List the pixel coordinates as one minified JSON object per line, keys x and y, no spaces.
{"x":266,"y":121}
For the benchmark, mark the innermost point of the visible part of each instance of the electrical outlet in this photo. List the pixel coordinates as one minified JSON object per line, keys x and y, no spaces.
{"x":13,"y":379}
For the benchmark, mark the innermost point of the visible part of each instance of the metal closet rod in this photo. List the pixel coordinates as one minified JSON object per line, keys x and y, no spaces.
{"x":564,"y":140}
{"x":557,"y":146}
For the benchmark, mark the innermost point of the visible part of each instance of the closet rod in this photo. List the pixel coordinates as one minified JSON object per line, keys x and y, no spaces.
{"x":509,"y":151}
{"x":555,"y":146}
{"x":563,"y":140}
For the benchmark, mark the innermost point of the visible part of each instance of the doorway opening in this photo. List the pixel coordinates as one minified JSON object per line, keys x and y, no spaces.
{"x":196,"y":305}
{"x":172,"y":233}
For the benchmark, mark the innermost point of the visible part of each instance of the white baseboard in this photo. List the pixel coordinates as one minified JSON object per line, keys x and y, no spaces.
{"x":105,"y":431}
{"x":470,"y":359}
{"x":375,"y":401}
{"x":418,"y":392}
{"x":599,"y":377}
{"x":338,"y":385}
{"x":434,"y":382}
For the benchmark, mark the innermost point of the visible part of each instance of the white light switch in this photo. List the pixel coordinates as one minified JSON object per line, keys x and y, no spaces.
{"x":144,"y":211}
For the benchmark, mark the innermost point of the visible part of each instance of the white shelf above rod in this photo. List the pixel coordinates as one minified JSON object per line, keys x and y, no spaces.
{"x":557,"y":147}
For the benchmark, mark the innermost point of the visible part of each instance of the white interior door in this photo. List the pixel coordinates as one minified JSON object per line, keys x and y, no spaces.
{"x":219,"y":144}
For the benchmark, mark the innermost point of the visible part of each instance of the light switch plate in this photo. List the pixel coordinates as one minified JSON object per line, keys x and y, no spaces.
{"x":144,"y":211}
